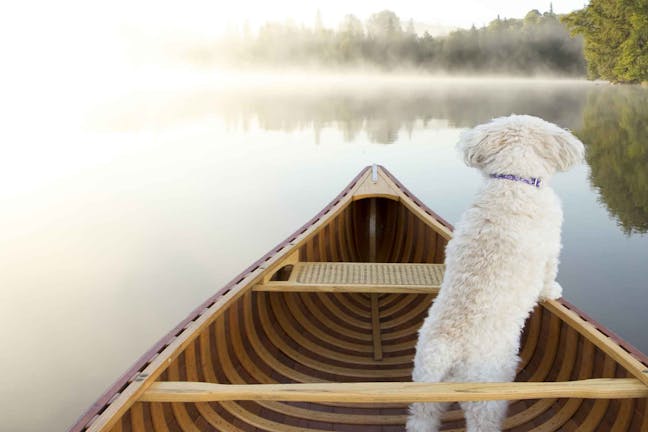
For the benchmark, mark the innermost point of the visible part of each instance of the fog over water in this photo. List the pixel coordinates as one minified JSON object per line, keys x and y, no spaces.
{"x":114,"y":230}
{"x":134,"y":184}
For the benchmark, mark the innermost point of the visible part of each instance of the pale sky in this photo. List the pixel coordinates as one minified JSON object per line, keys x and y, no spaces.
{"x":89,"y":41}
{"x":206,"y":15}
{"x":83,"y":23}
{"x":212,"y":16}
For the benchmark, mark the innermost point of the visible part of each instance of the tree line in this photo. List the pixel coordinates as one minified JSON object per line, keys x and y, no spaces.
{"x":537,"y":44}
{"x":616,"y":38}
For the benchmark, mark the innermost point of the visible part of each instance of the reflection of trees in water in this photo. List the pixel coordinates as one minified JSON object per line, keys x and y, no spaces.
{"x":615,"y":129}
{"x":611,"y":121}
{"x":383,"y":113}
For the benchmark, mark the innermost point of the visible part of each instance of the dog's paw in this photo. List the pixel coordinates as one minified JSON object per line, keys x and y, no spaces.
{"x":554,"y":292}
{"x":418,"y":424}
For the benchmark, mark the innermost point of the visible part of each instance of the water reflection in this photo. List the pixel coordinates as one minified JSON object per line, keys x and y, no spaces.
{"x":386,"y":112}
{"x":615,"y":128}
{"x":611,"y":121}
{"x":382,"y":112}
{"x":113,"y":234}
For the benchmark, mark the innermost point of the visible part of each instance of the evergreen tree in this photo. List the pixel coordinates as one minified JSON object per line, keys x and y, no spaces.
{"x":539,"y":43}
{"x":616,"y":38}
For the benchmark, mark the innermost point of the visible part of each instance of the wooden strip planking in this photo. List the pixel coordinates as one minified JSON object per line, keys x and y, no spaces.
{"x":273,"y":262}
{"x":401,"y":392}
{"x":606,"y":344}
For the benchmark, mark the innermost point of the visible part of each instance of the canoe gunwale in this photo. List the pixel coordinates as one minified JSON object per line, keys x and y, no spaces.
{"x":634,"y":352}
{"x":135,"y":374}
{"x":132,"y":374}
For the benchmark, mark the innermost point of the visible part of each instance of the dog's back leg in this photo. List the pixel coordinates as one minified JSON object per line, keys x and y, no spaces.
{"x":486,"y":416}
{"x":425,"y":417}
{"x":433,"y":361}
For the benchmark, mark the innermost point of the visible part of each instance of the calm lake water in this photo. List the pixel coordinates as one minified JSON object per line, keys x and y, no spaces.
{"x":111,"y":233}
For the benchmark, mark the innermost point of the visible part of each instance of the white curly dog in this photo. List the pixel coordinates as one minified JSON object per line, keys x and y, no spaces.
{"x":502,"y":259}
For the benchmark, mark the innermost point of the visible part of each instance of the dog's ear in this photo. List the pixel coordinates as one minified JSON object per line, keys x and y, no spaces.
{"x":567,"y":151}
{"x":479,"y":144}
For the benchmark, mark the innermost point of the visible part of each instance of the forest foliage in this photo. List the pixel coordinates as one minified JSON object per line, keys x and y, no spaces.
{"x":537,"y":44}
{"x":616,"y":38}
{"x":615,"y":128}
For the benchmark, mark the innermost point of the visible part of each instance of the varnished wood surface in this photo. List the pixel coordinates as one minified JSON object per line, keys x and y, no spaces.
{"x":271,"y":338}
{"x":401,"y":237}
{"x":395,"y":392}
{"x":241,"y":337}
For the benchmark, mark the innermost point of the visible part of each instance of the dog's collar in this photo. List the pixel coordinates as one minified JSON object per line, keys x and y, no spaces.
{"x":532,"y":181}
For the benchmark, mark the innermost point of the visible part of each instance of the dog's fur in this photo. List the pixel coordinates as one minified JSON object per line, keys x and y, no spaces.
{"x":502,"y":259}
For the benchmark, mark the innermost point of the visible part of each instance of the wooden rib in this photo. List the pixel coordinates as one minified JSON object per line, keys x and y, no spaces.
{"x":398,"y":245}
{"x":307,"y":344}
{"x":318,"y":364}
{"x":608,"y":346}
{"x":346,"y":328}
{"x":375,"y":328}
{"x":532,"y":338}
{"x":119,"y":425}
{"x":206,"y":356}
{"x":137,"y":416}
{"x":190,"y":363}
{"x":549,"y":360}
{"x":398,"y":304}
{"x":549,"y":355}
{"x":256,"y":344}
{"x":542,"y":370}
{"x":159,"y":421}
{"x":157,"y":365}
{"x":599,"y":408}
{"x":417,"y":310}
{"x":322,"y":333}
{"x":179,"y":410}
{"x":358,"y":305}
{"x":213,"y":418}
{"x":262,"y":423}
{"x":338,"y":310}
{"x":568,"y":410}
{"x":315,"y":323}
{"x":624,"y":416}
{"x":405,"y":236}
{"x":401,"y":392}
{"x":183,"y":418}
{"x":566,"y":366}
{"x":644,"y":423}
{"x":334,"y":417}
{"x":233,"y":376}
{"x":258,"y":368}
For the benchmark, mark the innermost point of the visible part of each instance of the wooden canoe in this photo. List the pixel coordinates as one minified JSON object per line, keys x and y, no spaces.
{"x":319,"y":335}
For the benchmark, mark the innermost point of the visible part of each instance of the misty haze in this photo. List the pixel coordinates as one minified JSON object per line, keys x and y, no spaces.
{"x":145,"y":167}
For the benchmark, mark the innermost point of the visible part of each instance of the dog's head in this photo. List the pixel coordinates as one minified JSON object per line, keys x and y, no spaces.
{"x":522,"y":145}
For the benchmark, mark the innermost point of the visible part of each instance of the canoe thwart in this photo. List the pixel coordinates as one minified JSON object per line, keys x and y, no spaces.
{"x":395,"y":392}
{"x":360,"y":277}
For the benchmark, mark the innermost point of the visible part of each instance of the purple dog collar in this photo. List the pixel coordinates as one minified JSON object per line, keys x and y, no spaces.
{"x":532,"y":181}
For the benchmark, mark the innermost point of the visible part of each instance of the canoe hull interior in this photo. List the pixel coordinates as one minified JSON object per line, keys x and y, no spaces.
{"x":398,"y":236}
{"x":252,"y":334}
{"x":316,"y":337}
